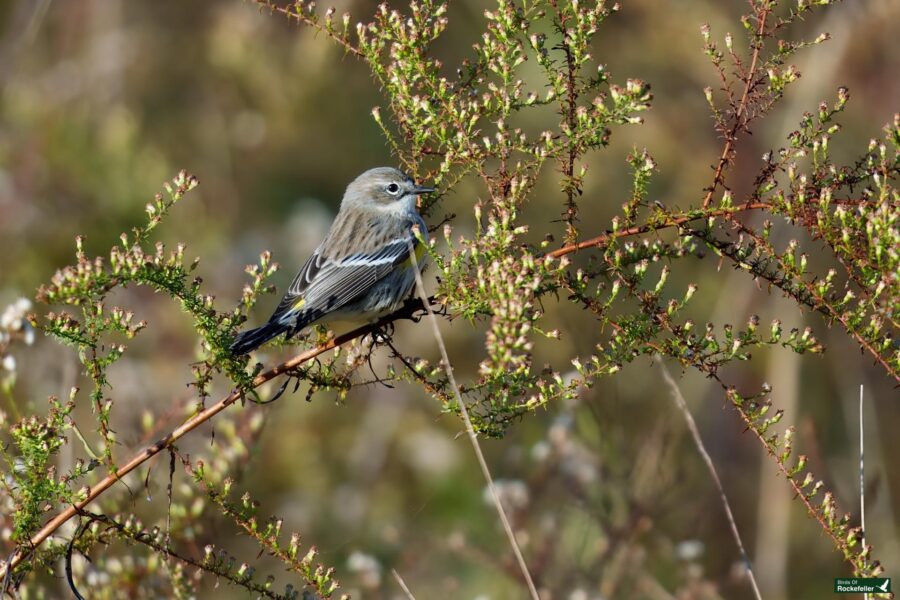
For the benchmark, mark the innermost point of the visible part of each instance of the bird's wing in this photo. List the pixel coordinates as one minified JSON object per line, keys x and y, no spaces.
{"x":323,"y":285}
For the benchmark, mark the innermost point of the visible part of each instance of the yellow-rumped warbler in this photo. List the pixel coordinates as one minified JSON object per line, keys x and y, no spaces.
{"x":362,"y":269}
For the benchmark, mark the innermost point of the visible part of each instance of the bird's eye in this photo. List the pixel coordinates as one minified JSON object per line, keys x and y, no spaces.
{"x":393,"y":189}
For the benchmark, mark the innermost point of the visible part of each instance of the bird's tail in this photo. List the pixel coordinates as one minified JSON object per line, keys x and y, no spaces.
{"x":247,"y":341}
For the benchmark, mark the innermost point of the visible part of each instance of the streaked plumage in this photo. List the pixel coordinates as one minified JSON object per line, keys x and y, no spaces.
{"x":362,"y":269}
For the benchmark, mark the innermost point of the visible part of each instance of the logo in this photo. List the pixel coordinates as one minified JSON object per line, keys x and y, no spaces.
{"x":862,"y":585}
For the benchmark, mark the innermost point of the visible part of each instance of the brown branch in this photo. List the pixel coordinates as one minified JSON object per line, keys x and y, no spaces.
{"x":816,"y":302}
{"x":710,"y":370}
{"x":145,"y":538}
{"x":815,"y":513}
{"x":300,"y":17}
{"x":602,"y":240}
{"x":731,"y":136}
{"x":198,"y":419}
{"x":569,"y":113}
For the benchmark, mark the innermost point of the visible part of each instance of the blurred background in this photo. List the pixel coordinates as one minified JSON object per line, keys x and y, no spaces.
{"x":101,"y":101}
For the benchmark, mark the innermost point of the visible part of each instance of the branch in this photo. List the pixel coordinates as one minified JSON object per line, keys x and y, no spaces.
{"x":790,"y":285}
{"x":402,"y":584}
{"x":198,"y":419}
{"x":672,"y":221}
{"x":147,"y":539}
{"x":308,"y":18}
{"x":731,"y":136}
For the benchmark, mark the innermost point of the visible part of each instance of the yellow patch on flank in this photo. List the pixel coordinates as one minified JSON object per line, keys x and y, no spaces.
{"x":299,"y":304}
{"x":420,"y":252}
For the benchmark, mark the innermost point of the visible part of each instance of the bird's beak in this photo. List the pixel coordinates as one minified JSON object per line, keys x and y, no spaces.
{"x":422,"y":190}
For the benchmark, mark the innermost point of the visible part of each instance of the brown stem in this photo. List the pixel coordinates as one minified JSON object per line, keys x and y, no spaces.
{"x":198,"y":419}
{"x":142,"y":537}
{"x":815,"y":513}
{"x":819,"y":303}
{"x":731,"y":136}
{"x":571,"y":214}
{"x":604,"y":239}
{"x":300,"y":17}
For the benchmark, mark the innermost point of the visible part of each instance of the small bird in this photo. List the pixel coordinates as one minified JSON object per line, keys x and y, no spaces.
{"x":362,"y":270}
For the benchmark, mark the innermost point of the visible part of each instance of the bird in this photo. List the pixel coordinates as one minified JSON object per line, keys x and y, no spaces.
{"x":362,"y":270}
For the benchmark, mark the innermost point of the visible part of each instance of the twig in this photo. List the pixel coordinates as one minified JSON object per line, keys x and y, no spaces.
{"x":731,"y":137}
{"x":673,"y":221}
{"x":302,"y":17}
{"x":812,"y":297}
{"x":568,"y":110}
{"x":789,"y":474}
{"x":473,"y":438}
{"x":143,"y":537}
{"x":402,"y":584}
{"x":698,"y":441}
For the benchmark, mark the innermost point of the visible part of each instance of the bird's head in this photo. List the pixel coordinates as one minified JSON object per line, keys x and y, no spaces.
{"x":384,"y":189}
